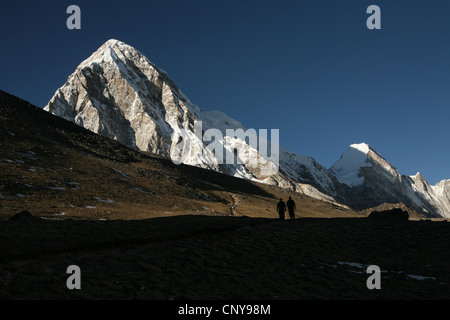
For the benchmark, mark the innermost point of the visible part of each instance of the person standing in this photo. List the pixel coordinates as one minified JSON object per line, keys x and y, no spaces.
{"x":281,"y":208}
{"x":291,"y":207}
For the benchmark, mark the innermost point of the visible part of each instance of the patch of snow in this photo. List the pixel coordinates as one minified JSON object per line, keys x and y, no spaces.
{"x":27,"y":155}
{"x":57,"y":188}
{"x":362,"y":147}
{"x":357,"y":265}
{"x":329,"y":265}
{"x":204,"y":196}
{"x":416,"y":277}
{"x":51,"y":219}
{"x":353,"y":264}
{"x":73,"y":185}
{"x":104,"y":200}
{"x":120,"y":172}
{"x":152,"y":191}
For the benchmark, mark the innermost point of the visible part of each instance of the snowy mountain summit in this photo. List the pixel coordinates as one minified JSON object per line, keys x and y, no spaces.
{"x":347,"y":168}
{"x":368,"y":179}
{"x":117,"y":92}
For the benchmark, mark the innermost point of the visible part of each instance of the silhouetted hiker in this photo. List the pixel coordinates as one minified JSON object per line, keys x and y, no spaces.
{"x":281,"y":208}
{"x":291,"y":207}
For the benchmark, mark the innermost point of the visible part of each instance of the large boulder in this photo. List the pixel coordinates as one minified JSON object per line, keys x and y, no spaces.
{"x":24,"y":216}
{"x":393,"y":214}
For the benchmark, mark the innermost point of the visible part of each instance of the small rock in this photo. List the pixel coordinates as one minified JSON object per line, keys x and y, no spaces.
{"x":394,"y":214}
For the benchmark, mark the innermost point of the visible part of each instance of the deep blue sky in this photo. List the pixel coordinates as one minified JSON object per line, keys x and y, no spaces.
{"x":309,"y":68}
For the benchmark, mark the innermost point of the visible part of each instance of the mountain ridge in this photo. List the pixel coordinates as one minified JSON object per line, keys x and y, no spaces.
{"x":58,"y":170}
{"x":119,"y":93}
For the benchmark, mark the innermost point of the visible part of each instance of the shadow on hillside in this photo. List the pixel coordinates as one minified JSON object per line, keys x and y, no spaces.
{"x":23,"y":240}
{"x":204,"y":179}
{"x":41,"y":128}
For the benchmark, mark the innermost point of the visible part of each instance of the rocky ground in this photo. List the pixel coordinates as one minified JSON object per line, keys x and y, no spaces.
{"x":211,"y":257}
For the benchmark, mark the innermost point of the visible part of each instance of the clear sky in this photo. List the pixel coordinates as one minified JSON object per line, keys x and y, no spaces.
{"x":309,"y":68}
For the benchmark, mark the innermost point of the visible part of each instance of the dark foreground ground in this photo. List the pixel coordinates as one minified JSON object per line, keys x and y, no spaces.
{"x":206,"y":257}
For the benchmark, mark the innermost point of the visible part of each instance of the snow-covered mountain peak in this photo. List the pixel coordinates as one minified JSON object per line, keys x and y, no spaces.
{"x":119,"y":55}
{"x":114,"y":42}
{"x":108,"y":52}
{"x":347,"y":168}
{"x":117,"y":92}
{"x":416,"y":176}
{"x":362,"y":147}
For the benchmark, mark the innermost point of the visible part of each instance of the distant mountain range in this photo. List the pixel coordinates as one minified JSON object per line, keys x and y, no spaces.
{"x":118,"y":93}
